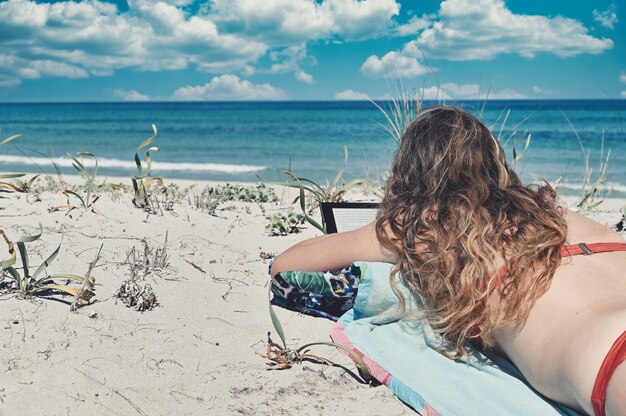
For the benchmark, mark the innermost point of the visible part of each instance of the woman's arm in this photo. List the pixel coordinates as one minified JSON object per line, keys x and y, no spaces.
{"x":333,"y":251}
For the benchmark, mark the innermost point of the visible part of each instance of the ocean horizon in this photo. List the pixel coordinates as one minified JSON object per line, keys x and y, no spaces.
{"x":245,"y":141}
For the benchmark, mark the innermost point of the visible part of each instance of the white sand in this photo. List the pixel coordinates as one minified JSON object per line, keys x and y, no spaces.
{"x":192,"y":355}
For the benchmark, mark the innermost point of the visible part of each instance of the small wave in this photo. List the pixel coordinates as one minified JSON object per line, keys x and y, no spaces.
{"x":617,"y":187}
{"x":123,"y":164}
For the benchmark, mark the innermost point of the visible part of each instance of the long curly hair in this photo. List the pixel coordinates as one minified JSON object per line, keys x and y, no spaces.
{"x":455,"y":213}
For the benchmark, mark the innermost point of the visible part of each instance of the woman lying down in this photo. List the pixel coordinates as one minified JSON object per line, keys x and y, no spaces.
{"x":495,"y":263}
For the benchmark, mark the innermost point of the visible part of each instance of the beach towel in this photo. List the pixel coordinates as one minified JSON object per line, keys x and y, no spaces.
{"x":404,"y":356}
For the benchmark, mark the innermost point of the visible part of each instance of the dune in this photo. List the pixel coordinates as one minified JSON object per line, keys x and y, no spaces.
{"x":194,"y":353}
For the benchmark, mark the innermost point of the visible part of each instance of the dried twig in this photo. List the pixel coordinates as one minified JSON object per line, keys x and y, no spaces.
{"x":130,"y":402}
{"x":83,"y":292}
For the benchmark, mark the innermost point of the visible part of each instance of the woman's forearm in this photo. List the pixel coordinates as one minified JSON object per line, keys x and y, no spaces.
{"x":332,"y":251}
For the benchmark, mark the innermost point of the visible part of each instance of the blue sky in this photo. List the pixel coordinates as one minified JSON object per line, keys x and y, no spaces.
{"x":305,"y":49}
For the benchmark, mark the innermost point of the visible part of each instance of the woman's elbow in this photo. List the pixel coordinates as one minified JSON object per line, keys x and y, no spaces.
{"x":276,"y":266}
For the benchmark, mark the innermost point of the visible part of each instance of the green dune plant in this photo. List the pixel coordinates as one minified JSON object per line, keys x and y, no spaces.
{"x":19,"y":185}
{"x":143,"y":182}
{"x":399,"y":112}
{"x":332,"y":191}
{"x":281,"y":224}
{"x":594,"y":189}
{"x":520,"y":141}
{"x":86,"y":197}
{"x":40,"y":283}
{"x":12,"y":186}
{"x":257,"y":193}
{"x":283,"y":357}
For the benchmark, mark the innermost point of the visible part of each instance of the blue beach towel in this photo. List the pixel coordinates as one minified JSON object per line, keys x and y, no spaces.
{"x":405,"y":359}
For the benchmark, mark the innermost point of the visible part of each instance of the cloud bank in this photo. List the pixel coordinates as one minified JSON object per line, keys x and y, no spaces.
{"x":94,"y":38}
{"x":482,"y":30}
{"x":228,"y":87}
{"x":453,"y":91}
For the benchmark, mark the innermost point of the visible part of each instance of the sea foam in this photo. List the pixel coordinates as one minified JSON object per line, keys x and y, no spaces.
{"x":616,"y":187}
{"x":124,"y":164}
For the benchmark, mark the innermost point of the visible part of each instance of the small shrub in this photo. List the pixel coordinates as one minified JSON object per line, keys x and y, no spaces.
{"x":143,"y":183}
{"x":10,"y":186}
{"x":206,"y":202}
{"x":85,"y":195}
{"x":281,"y":224}
{"x":136,"y":297}
{"x":258,"y":193}
{"x":148,"y":260}
{"x":39,"y":282}
{"x":332,"y":191}
{"x":142,"y":263}
{"x":19,"y":185}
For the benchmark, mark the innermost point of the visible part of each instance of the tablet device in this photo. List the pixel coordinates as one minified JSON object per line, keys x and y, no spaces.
{"x":338,"y":217}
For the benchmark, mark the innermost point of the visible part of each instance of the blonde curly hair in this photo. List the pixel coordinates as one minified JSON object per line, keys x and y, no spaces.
{"x":454,"y":213}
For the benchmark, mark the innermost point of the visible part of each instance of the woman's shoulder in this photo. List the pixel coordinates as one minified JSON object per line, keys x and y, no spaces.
{"x":581,"y":229}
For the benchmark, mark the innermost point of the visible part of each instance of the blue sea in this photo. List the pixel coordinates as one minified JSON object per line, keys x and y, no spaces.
{"x":245,"y":141}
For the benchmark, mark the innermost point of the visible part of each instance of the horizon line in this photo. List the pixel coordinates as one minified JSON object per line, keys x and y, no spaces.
{"x":307,"y":101}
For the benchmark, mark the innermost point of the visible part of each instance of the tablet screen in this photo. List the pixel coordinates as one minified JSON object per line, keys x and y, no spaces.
{"x":339,"y":217}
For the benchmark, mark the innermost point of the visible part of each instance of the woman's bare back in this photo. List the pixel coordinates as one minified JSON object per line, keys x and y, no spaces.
{"x":570,"y":329}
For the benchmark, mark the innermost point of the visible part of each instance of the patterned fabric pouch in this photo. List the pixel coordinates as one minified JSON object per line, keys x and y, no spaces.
{"x":323,"y":294}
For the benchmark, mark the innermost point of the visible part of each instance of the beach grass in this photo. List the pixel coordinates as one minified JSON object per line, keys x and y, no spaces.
{"x":39,"y":282}
{"x":143,"y":183}
{"x":15,"y":185}
{"x":86,"y":195}
{"x":594,"y":189}
{"x":332,"y":191}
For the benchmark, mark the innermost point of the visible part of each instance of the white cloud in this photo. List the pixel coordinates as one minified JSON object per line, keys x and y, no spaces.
{"x":394,"y":65}
{"x":8,"y":81}
{"x":94,"y":38}
{"x":57,"y":69}
{"x":290,"y":59}
{"x":480,"y":30}
{"x":73,"y":40}
{"x":537,"y":89}
{"x":304,"y":77}
{"x":130,"y":95}
{"x":607,"y":18}
{"x":414,"y":25}
{"x":506,"y":94}
{"x":622,"y":77}
{"x":295,"y":21}
{"x":453,"y":91}
{"x":286,"y":26}
{"x":434,"y":93}
{"x":469,"y":91}
{"x":484,"y":29}
{"x":228,"y":87}
{"x":350,"y":95}
{"x":623,"y":94}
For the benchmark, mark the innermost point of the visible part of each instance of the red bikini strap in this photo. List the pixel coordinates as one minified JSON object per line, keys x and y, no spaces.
{"x":582,"y":248}
{"x":571,"y":250}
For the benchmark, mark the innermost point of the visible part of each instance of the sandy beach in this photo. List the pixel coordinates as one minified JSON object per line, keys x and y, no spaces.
{"x":193,"y":354}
